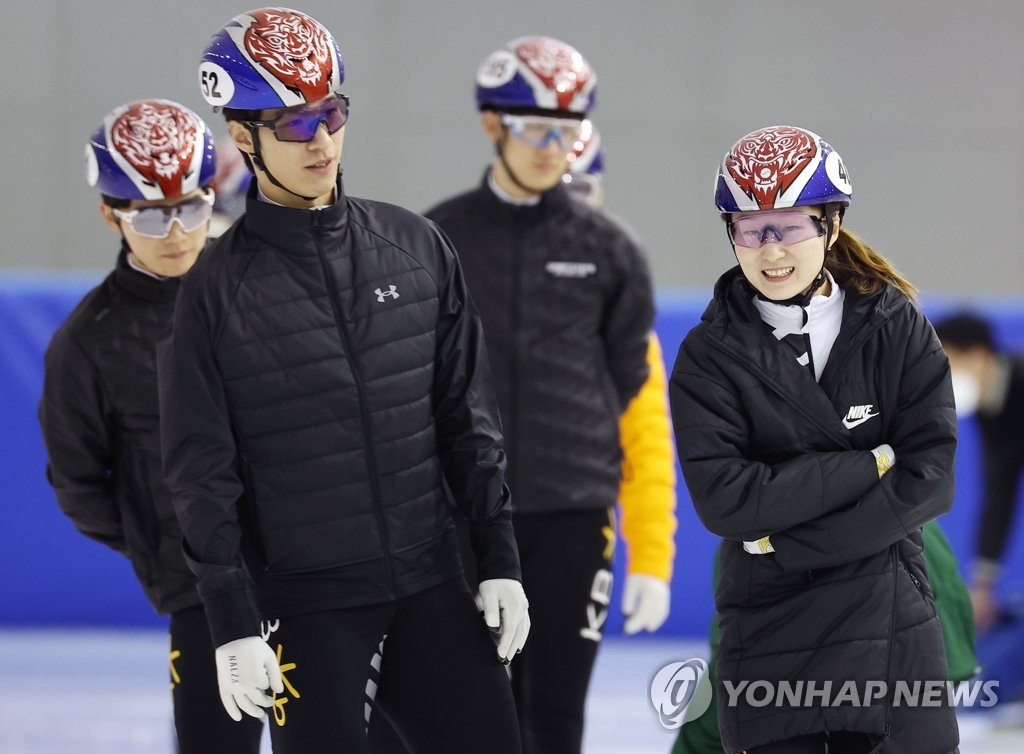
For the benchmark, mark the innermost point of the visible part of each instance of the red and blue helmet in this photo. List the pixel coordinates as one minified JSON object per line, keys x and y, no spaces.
{"x":588,"y":155}
{"x":780,"y":167}
{"x":270,"y":58}
{"x":586,"y":166}
{"x":536,"y":73}
{"x":231,"y":181}
{"x":150,"y":149}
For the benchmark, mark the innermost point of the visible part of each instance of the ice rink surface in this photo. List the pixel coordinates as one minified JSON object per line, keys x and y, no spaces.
{"x":105,"y":692}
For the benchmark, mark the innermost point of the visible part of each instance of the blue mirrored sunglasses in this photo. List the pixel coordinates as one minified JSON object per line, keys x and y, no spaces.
{"x":301,"y":124}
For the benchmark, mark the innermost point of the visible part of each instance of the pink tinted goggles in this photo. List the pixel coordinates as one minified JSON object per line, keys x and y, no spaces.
{"x":782,"y":228}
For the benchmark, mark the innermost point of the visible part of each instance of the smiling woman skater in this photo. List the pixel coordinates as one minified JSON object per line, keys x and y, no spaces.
{"x":815,"y":425}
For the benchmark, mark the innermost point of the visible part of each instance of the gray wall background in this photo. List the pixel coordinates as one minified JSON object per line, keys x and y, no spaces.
{"x":923,"y":98}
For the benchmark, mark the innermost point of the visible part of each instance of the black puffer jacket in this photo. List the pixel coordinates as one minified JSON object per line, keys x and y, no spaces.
{"x":766,"y":450}
{"x":326,"y":376}
{"x":99,"y":418}
{"x":565,"y":297}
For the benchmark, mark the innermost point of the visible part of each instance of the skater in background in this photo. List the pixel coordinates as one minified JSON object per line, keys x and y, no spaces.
{"x":326,"y":400}
{"x":647,"y":495}
{"x":990,"y":385}
{"x":566,"y":302}
{"x":647,"y":490}
{"x":816,"y":431}
{"x":152,"y":162}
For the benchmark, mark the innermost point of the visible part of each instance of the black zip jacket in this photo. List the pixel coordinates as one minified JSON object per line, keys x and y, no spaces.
{"x":99,"y":418}
{"x":565,"y":297}
{"x":326,"y":384}
{"x":765,"y":450}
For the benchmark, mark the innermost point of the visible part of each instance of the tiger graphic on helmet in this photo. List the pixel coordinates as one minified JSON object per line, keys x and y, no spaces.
{"x":779,"y":167}
{"x":270,"y":58}
{"x":766,"y":163}
{"x":150,"y":149}
{"x":158,"y":140}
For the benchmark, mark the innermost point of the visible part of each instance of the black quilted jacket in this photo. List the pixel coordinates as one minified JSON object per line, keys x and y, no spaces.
{"x":99,"y":418}
{"x":325,"y":387}
{"x":565,"y":297}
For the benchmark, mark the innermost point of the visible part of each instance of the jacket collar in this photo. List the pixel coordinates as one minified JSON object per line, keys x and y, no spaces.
{"x":733,"y":315}
{"x":733,"y":321}
{"x":141,"y":285}
{"x":551,"y":201}
{"x":294,"y":230}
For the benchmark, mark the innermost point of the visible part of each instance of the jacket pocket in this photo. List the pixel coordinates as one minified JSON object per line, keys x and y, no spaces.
{"x":922,"y":586}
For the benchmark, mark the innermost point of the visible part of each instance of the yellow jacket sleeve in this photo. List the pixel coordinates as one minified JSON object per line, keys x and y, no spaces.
{"x":647,"y":495}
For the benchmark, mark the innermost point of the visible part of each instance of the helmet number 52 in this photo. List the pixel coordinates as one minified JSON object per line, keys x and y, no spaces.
{"x":208,"y":80}
{"x":216,"y":84}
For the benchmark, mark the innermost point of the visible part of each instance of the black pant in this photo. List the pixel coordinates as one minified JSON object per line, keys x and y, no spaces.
{"x":441,"y":685}
{"x":566,"y":559}
{"x":839,"y":742}
{"x":200,"y":720}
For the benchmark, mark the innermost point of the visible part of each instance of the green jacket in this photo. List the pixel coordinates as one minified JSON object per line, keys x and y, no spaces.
{"x":952,"y":603}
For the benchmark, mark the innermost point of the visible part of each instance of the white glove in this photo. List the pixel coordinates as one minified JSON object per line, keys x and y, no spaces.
{"x":762,"y":546}
{"x":644,"y":603}
{"x":245,"y":668}
{"x":506,"y":612}
{"x":885,"y":458}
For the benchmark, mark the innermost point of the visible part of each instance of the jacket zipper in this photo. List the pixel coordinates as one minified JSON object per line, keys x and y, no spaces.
{"x":515,"y":317}
{"x":917,"y":582}
{"x":371,"y":463}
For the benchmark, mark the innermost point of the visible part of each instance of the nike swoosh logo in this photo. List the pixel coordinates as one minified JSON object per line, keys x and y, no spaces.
{"x":850,"y":424}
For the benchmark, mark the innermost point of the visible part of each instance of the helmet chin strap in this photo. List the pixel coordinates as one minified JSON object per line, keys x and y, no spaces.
{"x":257,"y":161}
{"x":803,"y":299}
{"x":499,"y":149}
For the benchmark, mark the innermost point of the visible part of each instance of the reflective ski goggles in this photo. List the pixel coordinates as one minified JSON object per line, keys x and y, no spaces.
{"x":156,"y":222}
{"x":783,"y":228}
{"x":538,"y":131}
{"x":301,"y":124}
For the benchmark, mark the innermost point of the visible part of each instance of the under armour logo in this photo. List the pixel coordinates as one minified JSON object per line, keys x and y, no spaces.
{"x":858,"y":415}
{"x":391,"y":291}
